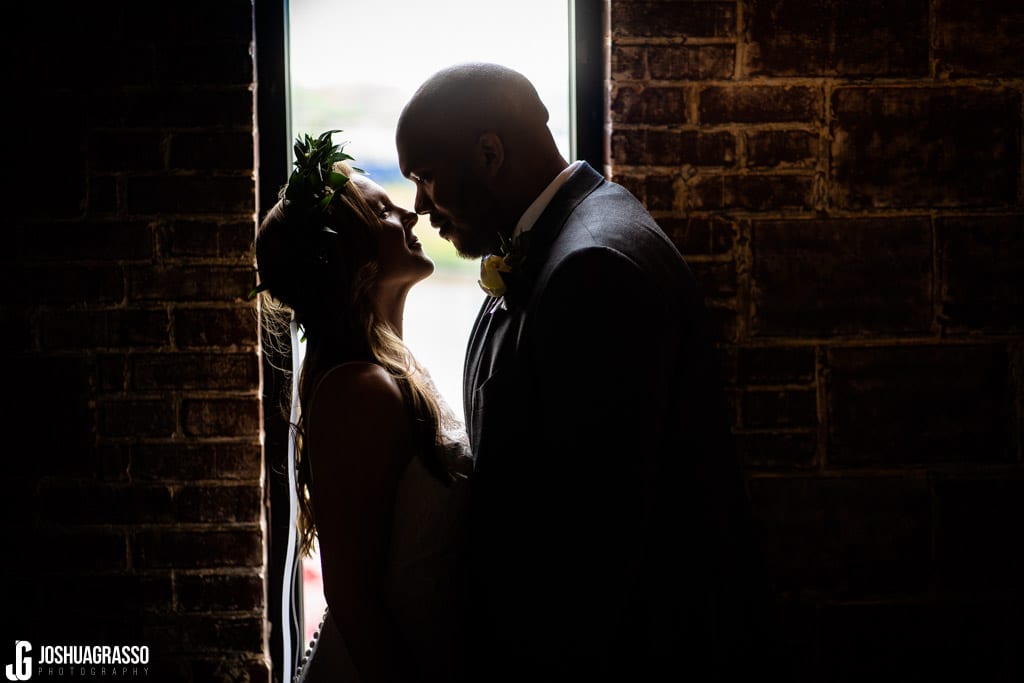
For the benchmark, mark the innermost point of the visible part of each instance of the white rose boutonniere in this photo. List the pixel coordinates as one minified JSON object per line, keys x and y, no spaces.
{"x":500,"y":274}
{"x":491,"y":279}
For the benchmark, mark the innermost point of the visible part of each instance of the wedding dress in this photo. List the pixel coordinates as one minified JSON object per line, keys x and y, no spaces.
{"x":423,"y":578}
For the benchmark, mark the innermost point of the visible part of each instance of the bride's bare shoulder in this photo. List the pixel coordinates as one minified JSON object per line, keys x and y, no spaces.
{"x":357,"y":378}
{"x":356,"y":408}
{"x":357,"y":388}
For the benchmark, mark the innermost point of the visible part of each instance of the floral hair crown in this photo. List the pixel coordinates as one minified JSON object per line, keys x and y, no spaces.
{"x":312,"y":185}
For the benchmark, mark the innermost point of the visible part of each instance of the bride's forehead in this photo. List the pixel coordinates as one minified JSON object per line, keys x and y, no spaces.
{"x":369,"y":189}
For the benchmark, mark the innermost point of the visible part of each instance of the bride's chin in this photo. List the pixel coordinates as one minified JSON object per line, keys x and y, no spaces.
{"x":425,"y":269}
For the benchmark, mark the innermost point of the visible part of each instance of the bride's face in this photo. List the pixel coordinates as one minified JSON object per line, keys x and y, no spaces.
{"x":400,"y":255}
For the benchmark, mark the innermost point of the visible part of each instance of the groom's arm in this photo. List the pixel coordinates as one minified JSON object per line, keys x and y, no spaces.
{"x":602,"y":354}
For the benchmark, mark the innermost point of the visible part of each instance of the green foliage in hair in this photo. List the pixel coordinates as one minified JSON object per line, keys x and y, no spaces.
{"x":313,"y":183}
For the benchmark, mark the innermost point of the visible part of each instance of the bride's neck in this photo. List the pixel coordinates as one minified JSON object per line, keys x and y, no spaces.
{"x":389,"y":305}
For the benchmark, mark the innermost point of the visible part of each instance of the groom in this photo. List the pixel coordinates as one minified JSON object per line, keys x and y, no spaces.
{"x":610,"y":536}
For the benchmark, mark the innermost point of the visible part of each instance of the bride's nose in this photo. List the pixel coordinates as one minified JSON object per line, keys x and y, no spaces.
{"x":409,"y":218}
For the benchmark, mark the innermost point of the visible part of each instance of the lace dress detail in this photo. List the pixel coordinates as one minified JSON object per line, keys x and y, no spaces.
{"x":424,"y":576}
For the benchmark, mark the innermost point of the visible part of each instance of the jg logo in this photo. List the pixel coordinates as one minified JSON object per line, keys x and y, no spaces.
{"x":21,"y":670}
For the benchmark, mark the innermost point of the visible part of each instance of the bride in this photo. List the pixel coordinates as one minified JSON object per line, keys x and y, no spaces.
{"x":381,"y":459}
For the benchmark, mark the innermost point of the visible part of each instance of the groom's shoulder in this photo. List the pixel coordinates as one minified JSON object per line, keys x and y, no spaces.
{"x":613,"y":218}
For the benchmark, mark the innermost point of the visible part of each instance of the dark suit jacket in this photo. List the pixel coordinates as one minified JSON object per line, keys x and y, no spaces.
{"x":609,"y":524}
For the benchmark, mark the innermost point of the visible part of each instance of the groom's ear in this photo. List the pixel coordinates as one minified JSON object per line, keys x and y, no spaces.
{"x":491,"y":151}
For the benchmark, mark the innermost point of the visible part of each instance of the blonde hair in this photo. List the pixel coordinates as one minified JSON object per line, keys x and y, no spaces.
{"x":323,"y":281}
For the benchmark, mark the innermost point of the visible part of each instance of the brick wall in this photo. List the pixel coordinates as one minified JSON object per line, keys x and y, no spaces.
{"x":845,"y":178}
{"x":138,"y":492}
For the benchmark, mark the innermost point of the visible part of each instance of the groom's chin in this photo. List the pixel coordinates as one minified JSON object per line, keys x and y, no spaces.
{"x":466,"y":250}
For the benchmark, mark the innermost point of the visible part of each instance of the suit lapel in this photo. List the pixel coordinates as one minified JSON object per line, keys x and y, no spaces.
{"x":471,"y":367}
{"x":483,"y":340}
{"x":577,"y":187}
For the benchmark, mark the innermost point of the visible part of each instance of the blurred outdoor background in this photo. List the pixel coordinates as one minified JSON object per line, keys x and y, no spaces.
{"x":352,"y":67}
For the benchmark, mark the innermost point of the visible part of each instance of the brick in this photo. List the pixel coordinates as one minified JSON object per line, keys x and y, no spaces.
{"x":228,"y":150}
{"x":126,"y":150}
{"x":92,"y":240}
{"x":113,"y":463}
{"x":216,"y":632}
{"x":838,"y":38}
{"x":659,"y":192}
{"x":856,"y":276}
{"x":771,"y":148}
{"x":651,"y":105}
{"x":627,"y":63}
{"x":919,"y":404}
{"x":160,"y":548}
{"x":774,"y":365}
{"x":847,"y":537}
{"x":112,"y":372}
{"x":75,"y":284}
{"x":102,"y":195}
{"x":47,"y":66}
{"x":673,"y":148}
{"x":103,"y":329}
{"x":83,"y":550}
{"x":667,"y":18}
{"x":195,"y":371}
{"x":115,"y":63}
{"x":221,"y":417}
{"x":137,"y":418}
{"x":219,"y":592}
{"x":99,"y":504}
{"x":716,"y":279}
{"x":218,"y":327}
{"x":981,"y":522}
{"x":711,"y":235}
{"x":223,"y":20}
{"x":979,"y":38}
{"x":212,"y":239}
{"x":226,"y":62}
{"x":182,"y":106}
{"x":779,"y":408}
{"x":759,"y":104}
{"x":198,"y":283}
{"x":722,"y":322}
{"x":125,"y":595}
{"x":924,"y":147}
{"x":692,"y":62}
{"x":981,"y":260}
{"x":752,"y":192}
{"x":191,"y":194}
{"x":172,"y":462}
{"x":220,"y":504}
{"x":764,"y":451}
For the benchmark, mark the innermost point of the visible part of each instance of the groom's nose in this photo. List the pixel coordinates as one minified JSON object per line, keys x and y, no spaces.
{"x":422,"y":203}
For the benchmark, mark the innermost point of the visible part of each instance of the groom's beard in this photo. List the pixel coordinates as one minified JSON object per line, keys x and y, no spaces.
{"x":471,"y":243}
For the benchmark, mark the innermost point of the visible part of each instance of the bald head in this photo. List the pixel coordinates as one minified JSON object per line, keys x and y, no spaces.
{"x":470,"y":98}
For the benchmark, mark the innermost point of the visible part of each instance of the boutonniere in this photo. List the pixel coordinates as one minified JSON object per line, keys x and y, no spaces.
{"x":498,"y":271}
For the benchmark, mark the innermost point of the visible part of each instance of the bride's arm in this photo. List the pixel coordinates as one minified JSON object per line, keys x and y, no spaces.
{"x":359,"y":440}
